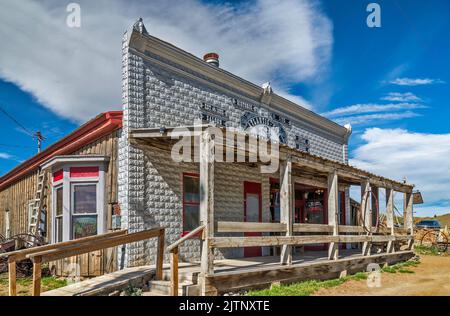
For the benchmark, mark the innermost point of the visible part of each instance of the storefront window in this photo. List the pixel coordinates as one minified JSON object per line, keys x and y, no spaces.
{"x":191,"y":203}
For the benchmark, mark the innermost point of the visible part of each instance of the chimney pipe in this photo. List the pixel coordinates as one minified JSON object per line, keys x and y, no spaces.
{"x":212,"y":59}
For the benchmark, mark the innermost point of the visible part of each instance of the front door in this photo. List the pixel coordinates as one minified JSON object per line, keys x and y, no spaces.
{"x":252,"y":213}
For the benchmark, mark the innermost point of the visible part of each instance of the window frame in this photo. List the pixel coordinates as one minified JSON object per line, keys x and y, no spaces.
{"x":57,"y":186}
{"x":185,"y":203}
{"x":73,"y":215}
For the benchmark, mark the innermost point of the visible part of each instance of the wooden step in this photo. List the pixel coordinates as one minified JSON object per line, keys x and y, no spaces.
{"x":164,"y":288}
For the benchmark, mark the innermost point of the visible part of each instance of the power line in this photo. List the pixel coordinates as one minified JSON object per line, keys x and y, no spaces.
{"x":15,"y":146}
{"x":12,"y":118}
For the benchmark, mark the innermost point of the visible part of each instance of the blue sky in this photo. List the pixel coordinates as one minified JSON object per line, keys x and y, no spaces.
{"x":391,"y":83}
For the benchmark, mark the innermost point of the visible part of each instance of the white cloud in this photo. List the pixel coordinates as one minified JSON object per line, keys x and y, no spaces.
{"x":401,"y":97}
{"x":422,"y":158}
{"x":415,"y":82}
{"x":373,"y":118}
{"x":5,"y":156}
{"x":371,"y":108}
{"x":76,"y":72}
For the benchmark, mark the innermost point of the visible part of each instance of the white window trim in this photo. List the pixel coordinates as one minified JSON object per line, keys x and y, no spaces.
{"x":67,"y":184}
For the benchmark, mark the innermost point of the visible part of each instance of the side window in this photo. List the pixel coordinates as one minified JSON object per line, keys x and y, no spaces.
{"x":191,"y":202}
{"x":59,"y":214}
{"x":84,"y":210}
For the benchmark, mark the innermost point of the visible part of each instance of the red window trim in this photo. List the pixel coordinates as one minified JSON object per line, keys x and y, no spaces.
{"x":191,"y":175}
{"x":84,"y":172}
{"x":58,"y":175}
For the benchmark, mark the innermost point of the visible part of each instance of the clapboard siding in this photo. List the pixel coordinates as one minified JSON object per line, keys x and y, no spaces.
{"x":17,"y":197}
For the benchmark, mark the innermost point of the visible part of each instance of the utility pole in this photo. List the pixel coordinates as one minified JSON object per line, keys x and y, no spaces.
{"x":39,"y":138}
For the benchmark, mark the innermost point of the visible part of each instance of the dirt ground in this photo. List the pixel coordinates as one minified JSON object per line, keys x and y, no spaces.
{"x":431,"y":277}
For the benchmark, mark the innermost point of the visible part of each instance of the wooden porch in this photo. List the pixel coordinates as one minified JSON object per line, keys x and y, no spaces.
{"x":215,"y":277}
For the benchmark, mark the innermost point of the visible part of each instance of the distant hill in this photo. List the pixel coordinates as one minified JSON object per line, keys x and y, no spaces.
{"x":444,"y":219}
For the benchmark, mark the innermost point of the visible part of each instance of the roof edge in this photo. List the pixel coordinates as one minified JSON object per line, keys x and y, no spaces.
{"x":101,"y":125}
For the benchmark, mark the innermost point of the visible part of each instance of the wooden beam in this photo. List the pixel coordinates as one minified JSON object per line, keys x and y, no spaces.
{"x":207,"y":199}
{"x":94,"y":245}
{"x":37,"y":272}
{"x":241,"y":227}
{"x":160,"y":255}
{"x":366,"y":214}
{"x":375,"y":202}
{"x":333,"y":213}
{"x":174,"y":271}
{"x":260,"y":277}
{"x":286,"y":207}
{"x":390,"y":218}
{"x":408,"y":216}
{"x":12,"y":278}
{"x":241,"y":242}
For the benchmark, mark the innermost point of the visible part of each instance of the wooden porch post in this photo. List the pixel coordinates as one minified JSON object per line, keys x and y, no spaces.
{"x":366,"y":214}
{"x":390,"y":218}
{"x":408,"y":216}
{"x":207,"y":203}
{"x":286,"y":206}
{"x":12,"y":277}
{"x":37,"y":272}
{"x":333,"y":213}
{"x":375,"y":197}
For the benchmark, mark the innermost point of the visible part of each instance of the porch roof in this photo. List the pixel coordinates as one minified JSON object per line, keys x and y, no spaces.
{"x":309,"y":164}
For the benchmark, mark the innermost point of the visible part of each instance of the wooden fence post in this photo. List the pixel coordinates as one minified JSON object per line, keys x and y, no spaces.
{"x":12,"y":277}
{"x":366,"y":214}
{"x":286,"y":206}
{"x":408,"y":217}
{"x":37,"y":271}
{"x":390,"y":218}
{"x":207,"y":203}
{"x":174,"y":271}
{"x":333,"y":213}
{"x":160,"y":255}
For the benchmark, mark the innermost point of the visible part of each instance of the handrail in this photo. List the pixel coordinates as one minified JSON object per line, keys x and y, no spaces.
{"x":20,"y":255}
{"x":173,"y":249}
{"x":89,"y":244}
{"x":182,"y":240}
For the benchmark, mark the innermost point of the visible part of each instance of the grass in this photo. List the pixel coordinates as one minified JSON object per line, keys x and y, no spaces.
{"x":24,"y":285}
{"x":429,"y":251}
{"x":308,"y":288}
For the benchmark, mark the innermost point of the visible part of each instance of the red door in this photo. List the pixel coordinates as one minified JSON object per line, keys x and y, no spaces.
{"x":252,"y":213}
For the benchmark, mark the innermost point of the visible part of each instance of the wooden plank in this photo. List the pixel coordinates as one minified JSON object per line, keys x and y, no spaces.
{"x":22,"y":254}
{"x":350,"y":229}
{"x":37,"y":271}
{"x":263,"y":277}
{"x":247,"y":227}
{"x":286,"y":207}
{"x":333,"y":213}
{"x":12,"y":278}
{"x":174,"y":271}
{"x":94,"y":245}
{"x":207,"y":199}
{"x":408,"y":216}
{"x":192,"y":234}
{"x":160,"y":255}
{"x":238,"y":242}
{"x":366,"y":214}
{"x":390,"y":218}
{"x":312,"y":228}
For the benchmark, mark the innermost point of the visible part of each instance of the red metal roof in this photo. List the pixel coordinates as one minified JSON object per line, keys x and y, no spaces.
{"x":91,"y":131}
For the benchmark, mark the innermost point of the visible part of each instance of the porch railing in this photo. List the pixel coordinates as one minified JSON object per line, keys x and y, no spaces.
{"x":40,"y":255}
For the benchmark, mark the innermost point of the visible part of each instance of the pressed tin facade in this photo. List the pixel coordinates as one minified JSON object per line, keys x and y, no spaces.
{"x":166,"y":87}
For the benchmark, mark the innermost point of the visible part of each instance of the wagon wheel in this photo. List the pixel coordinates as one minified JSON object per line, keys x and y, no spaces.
{"x":435,"y":240}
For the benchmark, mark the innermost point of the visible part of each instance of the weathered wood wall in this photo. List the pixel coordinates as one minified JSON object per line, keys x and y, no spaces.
{"x":17,"y":197}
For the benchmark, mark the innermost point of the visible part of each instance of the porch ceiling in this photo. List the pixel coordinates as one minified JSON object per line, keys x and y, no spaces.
{"x":305,"y":164}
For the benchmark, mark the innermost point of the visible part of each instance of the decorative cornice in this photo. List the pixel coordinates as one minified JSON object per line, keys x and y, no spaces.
{"x":145,"y":44}
{"x":91,"y":131}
